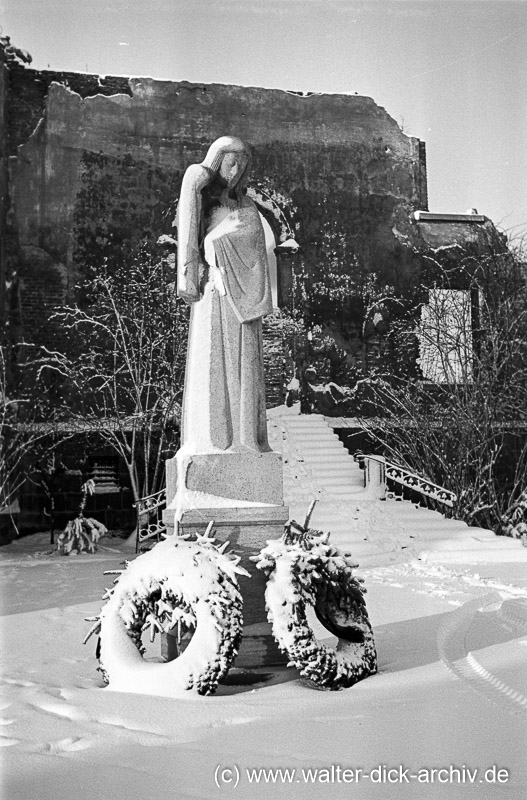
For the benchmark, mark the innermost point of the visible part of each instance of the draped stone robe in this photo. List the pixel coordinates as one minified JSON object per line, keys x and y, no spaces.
{"x":224,"y":395}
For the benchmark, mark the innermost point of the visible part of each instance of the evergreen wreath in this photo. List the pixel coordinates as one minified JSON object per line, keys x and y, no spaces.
{"x":303,"y":569}
{"x":188,"y":584}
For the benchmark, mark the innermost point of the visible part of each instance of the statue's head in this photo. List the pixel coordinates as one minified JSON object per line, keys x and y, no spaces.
{"x":229,"y":159}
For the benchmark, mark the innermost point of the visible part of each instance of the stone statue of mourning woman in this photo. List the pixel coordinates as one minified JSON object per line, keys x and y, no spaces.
{"x":223,"y":273}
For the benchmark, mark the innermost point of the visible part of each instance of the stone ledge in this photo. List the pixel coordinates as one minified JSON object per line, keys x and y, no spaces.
{"x":251,"y":515}
{"x":429,"y":216}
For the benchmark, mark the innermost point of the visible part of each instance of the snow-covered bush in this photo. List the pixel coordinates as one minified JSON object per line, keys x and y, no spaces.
{"x":460,"y":420}
{"x":514,"y":519}
{"x":123,"y":362}
{"x":82,"y":533}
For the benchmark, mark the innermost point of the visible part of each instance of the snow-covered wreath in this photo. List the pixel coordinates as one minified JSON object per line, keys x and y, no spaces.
{"x":303,"y":569}
{"x":188,"y":584}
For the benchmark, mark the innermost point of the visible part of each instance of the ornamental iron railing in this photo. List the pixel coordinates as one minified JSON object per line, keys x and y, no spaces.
{"x":377,"y":470}
{"x":151,"y":507}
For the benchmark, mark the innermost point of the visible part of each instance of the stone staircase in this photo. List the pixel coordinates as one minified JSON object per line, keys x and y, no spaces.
{"x":378,"y":532}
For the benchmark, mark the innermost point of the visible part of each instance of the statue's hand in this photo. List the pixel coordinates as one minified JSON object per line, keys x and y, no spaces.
{"x":188,"y":289}
{"x":188,"y":298}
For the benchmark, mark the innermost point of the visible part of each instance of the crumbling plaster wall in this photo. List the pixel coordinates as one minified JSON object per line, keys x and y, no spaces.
{"x":37,"y":248}
{"x":98,"y":162}
{"x":96,"y":165}
{"x":4,"y":191}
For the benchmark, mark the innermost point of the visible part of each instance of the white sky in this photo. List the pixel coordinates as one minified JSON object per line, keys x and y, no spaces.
{"x":452,"y":72}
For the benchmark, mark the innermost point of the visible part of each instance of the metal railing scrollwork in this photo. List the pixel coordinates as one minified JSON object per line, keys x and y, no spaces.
{"x":378,"y":469}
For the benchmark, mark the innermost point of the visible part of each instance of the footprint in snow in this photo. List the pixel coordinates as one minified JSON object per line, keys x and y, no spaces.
{"x":138,"y":735}
{"x":60,"y":710}
{"x":14,"y":682}
{"x":6,"y":742}
{"x":232,"y":721}
{"x":68,"y":745}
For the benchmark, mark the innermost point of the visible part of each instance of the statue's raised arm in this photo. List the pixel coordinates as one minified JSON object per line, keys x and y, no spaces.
{"x":188,"y":220}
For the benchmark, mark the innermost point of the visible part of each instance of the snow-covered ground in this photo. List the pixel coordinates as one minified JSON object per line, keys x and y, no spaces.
{"x":450,"y":695}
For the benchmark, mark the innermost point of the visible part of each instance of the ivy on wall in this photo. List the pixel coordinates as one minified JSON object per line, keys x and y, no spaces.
{"x":122,"y":204}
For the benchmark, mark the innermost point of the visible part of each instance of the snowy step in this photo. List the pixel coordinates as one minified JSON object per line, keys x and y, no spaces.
{"x":426,"y":518}
{"x":327,"y":460}
{"x":308,"y":420}
{"x":337,"y":526}
{"x":324,"y":455}
{"x":318,"y":433}
{"x":359,"y":549}
{"x":413,"y":516}
{"x":336,"y":479}
{"x":342,"y":489}
{"x":318,"y":474}
{"x":407,"y":507}
{"x":341,"y":518}
{"x":433,"y":527}
{"x":331,"y":462}
{"x":326,"y":481}
{"x":327,"y":470}
{"x":298,"y":480}
{"x":322,"y":445}
{"x":432,"y":524}
{"x":329,"y":466}
{"x":315,"y":436}
{"x":330,"y":510}
{"x":317,"y":443}
{"x":340,"y":534}
{"x":342,"y":466}
{"x":309,"y":430}
{"x":338,"y":474}
{"x":321,"y":460}
{"x":340,"y":526}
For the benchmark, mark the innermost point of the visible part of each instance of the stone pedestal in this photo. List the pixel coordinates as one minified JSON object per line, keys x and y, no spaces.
{"x":247,"y":529}
{"x":222,"y":479}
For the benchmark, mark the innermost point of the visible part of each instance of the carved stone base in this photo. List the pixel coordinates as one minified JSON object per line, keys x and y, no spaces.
{"x":247,"y":530}
{"x":240,"y":477}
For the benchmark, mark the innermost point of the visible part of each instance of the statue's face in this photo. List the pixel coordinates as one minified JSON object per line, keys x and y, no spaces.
{"x":233,"y":167}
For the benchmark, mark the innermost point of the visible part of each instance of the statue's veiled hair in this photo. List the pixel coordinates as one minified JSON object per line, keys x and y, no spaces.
{"x":213,"y":159}
{"x":222,"y":146}
{"x":201,"y":190}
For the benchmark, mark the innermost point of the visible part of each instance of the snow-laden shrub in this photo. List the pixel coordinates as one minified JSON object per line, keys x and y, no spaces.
{"x":82,"y":533}
{"x":514,"y":520}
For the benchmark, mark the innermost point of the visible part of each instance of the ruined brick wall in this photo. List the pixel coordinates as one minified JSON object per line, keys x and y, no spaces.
{"x":3,"y":183}
{"x":324,"y":154}
{"x":36,"y":266}
{"x":28,"y":92}
{"x":96,"y":167}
